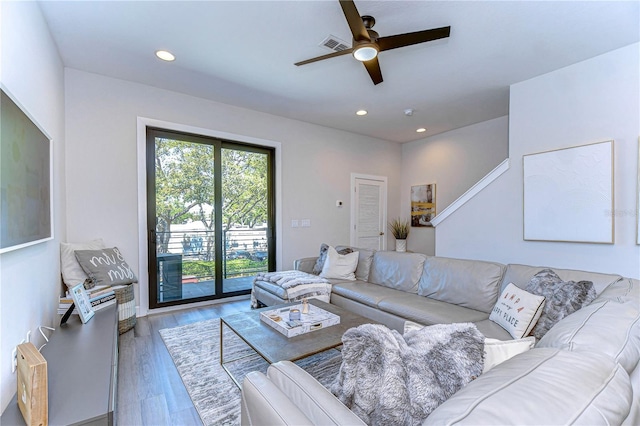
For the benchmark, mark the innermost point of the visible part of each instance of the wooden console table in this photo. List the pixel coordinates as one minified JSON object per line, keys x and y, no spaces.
{"x":82,"y":369}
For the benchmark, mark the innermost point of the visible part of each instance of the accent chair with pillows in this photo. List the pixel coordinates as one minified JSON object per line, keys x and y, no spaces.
{"x":560,"y":346}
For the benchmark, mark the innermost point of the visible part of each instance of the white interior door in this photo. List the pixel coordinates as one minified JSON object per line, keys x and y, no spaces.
{"x":369,"y":212}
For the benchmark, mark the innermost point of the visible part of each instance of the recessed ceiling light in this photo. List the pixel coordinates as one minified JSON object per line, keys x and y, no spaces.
{"x":165,"y":56}
{"x":361,"y":112}
{"x":421,"y":130}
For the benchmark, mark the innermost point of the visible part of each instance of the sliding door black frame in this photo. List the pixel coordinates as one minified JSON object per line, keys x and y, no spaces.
{"x":218,"y":145}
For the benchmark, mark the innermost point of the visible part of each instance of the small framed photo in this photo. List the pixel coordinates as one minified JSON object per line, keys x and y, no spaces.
{"x":82,"y":303}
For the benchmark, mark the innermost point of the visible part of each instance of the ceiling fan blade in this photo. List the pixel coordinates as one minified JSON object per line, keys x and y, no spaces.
{"x":320,"y":58}
{"x":354,"y":20}
{"x":373,"y":68}
{"x":402,"y":40}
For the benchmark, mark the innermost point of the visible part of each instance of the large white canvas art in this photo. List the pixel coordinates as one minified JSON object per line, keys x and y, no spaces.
{"x":26,"y":172}
{"x":568,"y":194}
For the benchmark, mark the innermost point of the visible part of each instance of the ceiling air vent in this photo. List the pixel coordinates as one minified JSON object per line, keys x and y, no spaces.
{"x":335,"y":44}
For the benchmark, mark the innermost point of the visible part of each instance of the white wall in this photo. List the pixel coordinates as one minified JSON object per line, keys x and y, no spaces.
{"x":316,"y":164}
{"x":592,"y":101}
{"x":454,"y":161}
{"x":31,"y":70}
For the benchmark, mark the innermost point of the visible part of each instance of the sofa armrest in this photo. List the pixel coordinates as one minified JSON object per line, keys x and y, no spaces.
{"x":543,"y":386}
{"x":306,"y":393}
{"x":305,"y":264}
{"x":264,"y":404}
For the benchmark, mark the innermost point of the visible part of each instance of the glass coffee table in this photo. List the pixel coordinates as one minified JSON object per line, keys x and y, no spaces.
{"x":274,"y":346}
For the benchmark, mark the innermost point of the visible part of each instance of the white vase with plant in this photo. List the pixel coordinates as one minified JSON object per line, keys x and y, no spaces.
{"x":400,"y":230}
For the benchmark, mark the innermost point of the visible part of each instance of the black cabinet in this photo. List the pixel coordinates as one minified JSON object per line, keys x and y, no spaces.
{"x":169,"y":277}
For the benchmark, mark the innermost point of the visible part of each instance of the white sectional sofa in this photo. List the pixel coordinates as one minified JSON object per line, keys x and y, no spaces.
{"x":585,"y":370}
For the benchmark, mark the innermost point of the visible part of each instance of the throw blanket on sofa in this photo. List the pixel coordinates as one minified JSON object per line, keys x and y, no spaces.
{"x":388,"y":379}
{"x":289,"y":279}
{"x":296,"y":284}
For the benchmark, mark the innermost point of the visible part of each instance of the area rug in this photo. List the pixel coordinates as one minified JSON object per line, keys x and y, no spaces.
{"x":195,"y":350}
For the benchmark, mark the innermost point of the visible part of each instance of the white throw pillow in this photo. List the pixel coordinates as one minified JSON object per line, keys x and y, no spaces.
{"x":72,"y":272}
{"x":340,"y":266}
{"x":411,"y":326}
{"x":498,"y":351}
{"x":517,"y":311}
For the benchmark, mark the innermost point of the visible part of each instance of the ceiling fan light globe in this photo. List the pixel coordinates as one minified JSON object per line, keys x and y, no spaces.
{"x":365,"y":53}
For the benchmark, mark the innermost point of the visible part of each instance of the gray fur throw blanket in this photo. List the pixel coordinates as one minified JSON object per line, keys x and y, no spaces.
{"x":562,"y":298}
{"x":388,"y":379}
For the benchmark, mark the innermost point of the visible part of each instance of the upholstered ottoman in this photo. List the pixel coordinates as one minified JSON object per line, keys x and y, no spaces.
{"x":276,"y":288}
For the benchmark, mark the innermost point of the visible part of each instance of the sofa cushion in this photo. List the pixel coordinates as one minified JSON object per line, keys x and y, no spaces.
{"x":520,"y":275}
{"x":562,"y":298}
{"x":397,"y":270}
{"x":605,"y":326}
{"x":493,"y":330}
{"x":623,"y":289}
{"x":470,"y":283}
{"x":365,"y":257}
{"x":634,"y":416}
{"x":427,"y":311}
{"x":363,"y":292}
{"x":542,"y":387}
{"x":305,"y":264}
{"x":517,"y":311}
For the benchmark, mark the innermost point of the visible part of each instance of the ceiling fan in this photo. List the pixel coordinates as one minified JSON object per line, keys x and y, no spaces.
{"x":367,"y":43}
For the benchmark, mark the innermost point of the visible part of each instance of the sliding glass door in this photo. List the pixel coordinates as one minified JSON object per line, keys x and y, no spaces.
{"x":210,"y":216}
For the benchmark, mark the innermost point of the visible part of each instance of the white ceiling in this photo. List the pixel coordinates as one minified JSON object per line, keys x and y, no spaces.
{"x":242,"y":53}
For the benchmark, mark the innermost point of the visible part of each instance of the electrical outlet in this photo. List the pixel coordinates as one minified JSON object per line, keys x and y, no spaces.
{"x":14,"y":359}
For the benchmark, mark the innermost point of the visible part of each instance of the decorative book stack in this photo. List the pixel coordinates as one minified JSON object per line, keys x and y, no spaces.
{"x":100,"y":298}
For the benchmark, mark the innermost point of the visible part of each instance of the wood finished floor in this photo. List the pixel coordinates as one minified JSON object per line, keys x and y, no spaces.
{"x":150,"y":391}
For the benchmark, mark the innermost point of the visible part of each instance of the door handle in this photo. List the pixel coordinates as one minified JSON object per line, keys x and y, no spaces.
{"x":382,"y":233}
